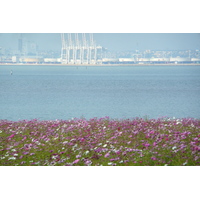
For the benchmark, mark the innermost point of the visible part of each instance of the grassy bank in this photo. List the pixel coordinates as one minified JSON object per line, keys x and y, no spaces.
{"x":104,"y":141}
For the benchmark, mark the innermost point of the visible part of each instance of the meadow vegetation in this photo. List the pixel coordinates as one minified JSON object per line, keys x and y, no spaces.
{"x":100,"y":142}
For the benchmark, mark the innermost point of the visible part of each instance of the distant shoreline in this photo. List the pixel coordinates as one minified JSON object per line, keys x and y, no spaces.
{"x":47,"y":64}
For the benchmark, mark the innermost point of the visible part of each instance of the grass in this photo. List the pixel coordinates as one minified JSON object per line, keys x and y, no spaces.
{"x":100,"y":141}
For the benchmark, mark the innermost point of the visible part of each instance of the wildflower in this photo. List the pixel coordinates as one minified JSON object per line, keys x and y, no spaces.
{"x":38,"y":143}
{"x":12,"y":158}
{"x":86,"y":152}
{"x":105,"y":145}
{"x":107,"y":155}
{"x":146,"y":144}
{"x":185,"y":163}
{"x":78,"y":156}
{"x":76,"y":161}
{"x":11,"y":136}
{"x":153,"y":158}
{"x":174,"y":147}
{"x":13,"y":150}
{"x":196,"y":158}
{"x":110,"y":163}
{"x":88,"y":162}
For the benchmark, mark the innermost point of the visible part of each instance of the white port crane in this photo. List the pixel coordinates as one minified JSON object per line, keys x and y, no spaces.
{"x":76,"y":51}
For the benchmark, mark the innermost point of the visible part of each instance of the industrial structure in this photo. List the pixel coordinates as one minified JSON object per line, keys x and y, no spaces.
{"x":80,"y":50}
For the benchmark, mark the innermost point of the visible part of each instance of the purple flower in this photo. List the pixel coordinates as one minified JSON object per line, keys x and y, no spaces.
{"x":146,"y":144}
{"x":153,"y":158}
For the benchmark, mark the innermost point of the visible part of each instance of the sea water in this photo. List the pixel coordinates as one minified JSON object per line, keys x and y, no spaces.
{"x":64,"y":92}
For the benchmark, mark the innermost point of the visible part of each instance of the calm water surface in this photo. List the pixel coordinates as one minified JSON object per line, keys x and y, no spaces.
{"x":65,"y":92}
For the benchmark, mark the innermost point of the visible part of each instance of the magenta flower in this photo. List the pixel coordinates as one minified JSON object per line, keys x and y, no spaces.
{"x":153,"y":158}
{"x":11,"y":136}
{"x":146,"y":144}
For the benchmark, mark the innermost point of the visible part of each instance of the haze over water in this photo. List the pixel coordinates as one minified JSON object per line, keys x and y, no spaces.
{"x":65,"y":92}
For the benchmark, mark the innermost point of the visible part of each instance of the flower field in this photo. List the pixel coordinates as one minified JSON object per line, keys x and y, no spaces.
{"x":103,"y":141}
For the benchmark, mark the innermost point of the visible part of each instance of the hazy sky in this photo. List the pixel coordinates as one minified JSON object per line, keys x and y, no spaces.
{"x":112,"y":41}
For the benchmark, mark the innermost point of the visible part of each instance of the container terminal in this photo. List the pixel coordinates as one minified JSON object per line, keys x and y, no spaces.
{"x":81,"y":49}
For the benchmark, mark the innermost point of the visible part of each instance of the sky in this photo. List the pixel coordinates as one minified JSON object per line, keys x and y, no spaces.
{"x":117,"y":26}
{"x":111,"y":41}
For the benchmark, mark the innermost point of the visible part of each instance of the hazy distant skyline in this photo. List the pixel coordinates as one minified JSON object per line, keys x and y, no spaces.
{"x":111,"y":41}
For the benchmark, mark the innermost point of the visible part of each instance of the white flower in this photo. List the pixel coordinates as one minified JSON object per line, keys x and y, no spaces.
{"x":12,"y":158}
{"x":13,"y":150}
{"x":37,"y":142}
{"x":110,"y":163}
{"x":105,"y":145}
{"x":121,"y":161}
{"x":54,"y":157}
{"x":174,"y":147}
{"x":86,"y":152}
{"x":15,"y":154}
{"x":185,"y":163}
{"x":74,"y":146}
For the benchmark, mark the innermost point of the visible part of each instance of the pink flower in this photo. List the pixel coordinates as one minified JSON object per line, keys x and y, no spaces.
{"x":107,"y":155}
{"x":11,"y":136}
{"x":146,"y":144}
{"x":76,"y":161}
{"x":153,"y":158}
{"x":88,"y":162}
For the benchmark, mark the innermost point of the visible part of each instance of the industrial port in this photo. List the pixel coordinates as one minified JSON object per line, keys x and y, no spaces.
{"x":81,"y":49}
